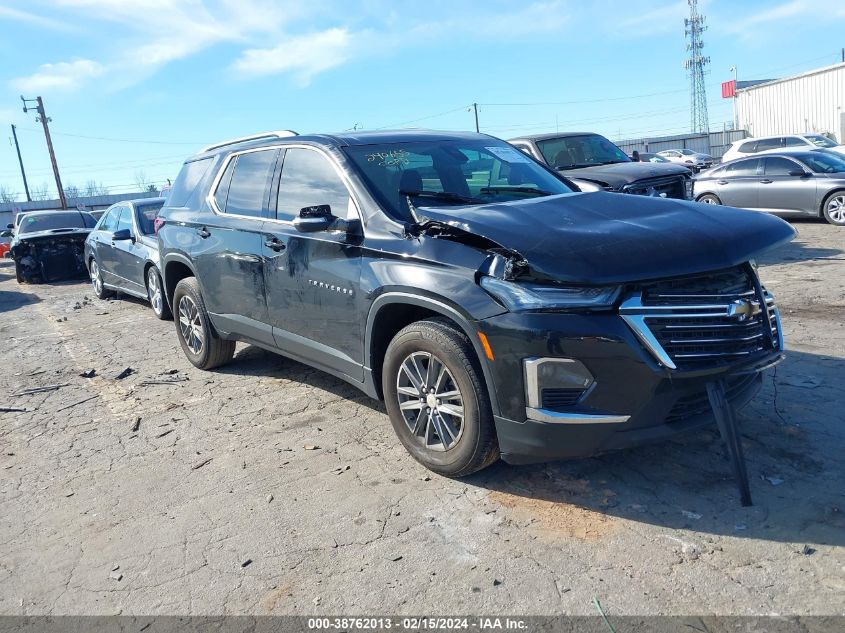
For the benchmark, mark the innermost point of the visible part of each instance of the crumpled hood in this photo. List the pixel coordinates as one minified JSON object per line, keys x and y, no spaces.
{"x":51,"y":234}
{"x":605,"y":238}
{"x":619,"y":174}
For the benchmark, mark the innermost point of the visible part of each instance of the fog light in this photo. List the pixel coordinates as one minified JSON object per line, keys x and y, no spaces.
{"x":555,"y":381}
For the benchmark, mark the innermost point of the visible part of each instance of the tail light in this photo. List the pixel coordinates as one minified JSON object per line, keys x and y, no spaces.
{"x":157,"y":224}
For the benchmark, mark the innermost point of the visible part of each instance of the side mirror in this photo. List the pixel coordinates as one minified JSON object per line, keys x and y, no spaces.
{"x":121,"y":235}
{"x":314,"y":219}
{"x":10,"y":226}
{"x":799,"y":173}
{"x":6,"y":234}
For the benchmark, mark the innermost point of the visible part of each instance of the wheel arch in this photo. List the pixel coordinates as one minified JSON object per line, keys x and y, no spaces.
{"x":176,"y":268}
{"x":392,"y":311}
{"x":828,"y":196}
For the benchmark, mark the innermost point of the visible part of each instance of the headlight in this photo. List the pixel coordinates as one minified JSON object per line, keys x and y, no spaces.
{"x":518,"y":297}
{"x":688,"y":188}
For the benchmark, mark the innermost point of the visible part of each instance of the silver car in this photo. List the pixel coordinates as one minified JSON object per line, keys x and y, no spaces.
{"x":798,"y":182}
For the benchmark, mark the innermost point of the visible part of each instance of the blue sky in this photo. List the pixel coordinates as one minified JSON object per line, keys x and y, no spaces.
{"x":136,"y":85}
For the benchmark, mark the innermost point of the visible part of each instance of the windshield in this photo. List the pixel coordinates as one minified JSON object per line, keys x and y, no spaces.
{"x":49,"y":221}
{"x":146,"y":215}
{"x":450,"y":172}
{"x":586,"y":150}
{"x":823,"y":162}
{"x":687,"y":152}
{"x":820,"y":141}
{"x":653,"y":158}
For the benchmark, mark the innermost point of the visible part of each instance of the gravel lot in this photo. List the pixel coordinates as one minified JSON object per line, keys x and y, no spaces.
{"x":270,"y":488}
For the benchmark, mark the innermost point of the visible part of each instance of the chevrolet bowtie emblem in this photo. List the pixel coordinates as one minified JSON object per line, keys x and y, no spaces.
{"x":743,"y":309}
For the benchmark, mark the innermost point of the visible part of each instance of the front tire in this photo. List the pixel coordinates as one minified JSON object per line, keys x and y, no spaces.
{"x":834,"y":208}
{"x":201,"y":344}
{"x":155,"y":294}
{"x":437,"y":399}
{"x":709,"y":198}
{"x":97,"y":280}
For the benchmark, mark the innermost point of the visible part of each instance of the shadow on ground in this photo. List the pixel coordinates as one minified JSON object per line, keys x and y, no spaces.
{"x":800,"y":250}
{"x":792,"y":433}
{"x":12,"y":299}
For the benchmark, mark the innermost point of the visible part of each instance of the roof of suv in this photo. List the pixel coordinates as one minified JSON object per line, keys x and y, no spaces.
{"x":348,"y":138}
{"x":546,"y":137}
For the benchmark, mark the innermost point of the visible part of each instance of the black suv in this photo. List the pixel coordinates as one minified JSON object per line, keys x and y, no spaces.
{"x":595,"y":164}
{"x":495,"y":310}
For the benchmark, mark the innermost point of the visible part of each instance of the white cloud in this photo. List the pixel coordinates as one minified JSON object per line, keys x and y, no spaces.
{"x":8,"y":13}
{"x":304,"y":55}
{"x":62,"y":75}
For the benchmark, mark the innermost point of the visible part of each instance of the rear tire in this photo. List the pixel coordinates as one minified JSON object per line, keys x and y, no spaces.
{"x":709,"y":198}
{"x":833,"y":208}
{"x":201,"y":344}
{"x":18,"y":274}
{"x":155,"y":295}
{"x":433,"y":387}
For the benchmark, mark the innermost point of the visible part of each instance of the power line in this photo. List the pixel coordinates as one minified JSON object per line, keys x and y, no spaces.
{"x":121,"y":140}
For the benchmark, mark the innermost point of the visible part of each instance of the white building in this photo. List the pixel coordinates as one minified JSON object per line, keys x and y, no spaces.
{"x":811,"y":102}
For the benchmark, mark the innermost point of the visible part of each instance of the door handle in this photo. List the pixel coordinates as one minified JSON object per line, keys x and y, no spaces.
{"x":722,"y":182}
{"x":766,"y":181}
{"x":203,"y":232}
{"x":274,"y":244}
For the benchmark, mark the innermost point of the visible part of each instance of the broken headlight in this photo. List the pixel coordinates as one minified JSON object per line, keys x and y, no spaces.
{"x":517,"y":297}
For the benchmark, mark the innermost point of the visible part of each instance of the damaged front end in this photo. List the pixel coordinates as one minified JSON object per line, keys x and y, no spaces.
{"x":51,"y":257}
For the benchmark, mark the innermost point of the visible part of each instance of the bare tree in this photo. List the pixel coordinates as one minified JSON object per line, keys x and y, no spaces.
{"x":143,"y":183}
{"x":72,"y":192}
{"x":93,"y":188}
{"x":40,"y":192}
{"x":6,"y":194}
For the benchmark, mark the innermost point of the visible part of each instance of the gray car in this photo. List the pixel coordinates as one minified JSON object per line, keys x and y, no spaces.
{"x":798,"y":182}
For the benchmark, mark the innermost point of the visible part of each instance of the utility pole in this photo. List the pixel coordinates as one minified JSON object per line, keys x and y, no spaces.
{"x":44,"y":120}
{"x":693,"y":28}
{"x":475,"y":109}
{"x":20,"y":161}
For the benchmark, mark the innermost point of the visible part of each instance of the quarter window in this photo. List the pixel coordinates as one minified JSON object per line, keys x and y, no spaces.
{"x":124,"y":221}
{"x":223,"y":187}
{"x":250,"y":183}
{"x":308,"y":179}
{"x":187,"y":181}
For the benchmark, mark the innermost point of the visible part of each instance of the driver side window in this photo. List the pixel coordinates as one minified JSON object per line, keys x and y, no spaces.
{"x":309,"y":179}
{"x":125,"y":220}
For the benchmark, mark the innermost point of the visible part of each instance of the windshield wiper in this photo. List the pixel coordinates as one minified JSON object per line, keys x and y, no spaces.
{"x":447,"y":196}
{"x":506,"y":189}
{"x":576,"y":166}
{"x":614,"y":162}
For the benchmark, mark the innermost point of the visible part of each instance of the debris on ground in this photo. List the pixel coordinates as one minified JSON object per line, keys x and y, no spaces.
{"x":27,"y":392}
{"x":246,"y":563}
{"x":126,"y":372}
{"x":201,"y":464}
{"x":12,"y":410}
{"x":269,"y":498}
{"x":310,"y":447}
{"x":88,"y":373}
{"x":167,"y":432}
{"x":73,"y":404}
{"x":807,"y":550}
{"x":116,"y":575}
{"x":136,"y":425}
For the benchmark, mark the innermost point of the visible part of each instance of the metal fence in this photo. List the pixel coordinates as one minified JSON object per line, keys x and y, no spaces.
{"x":714,"y":143}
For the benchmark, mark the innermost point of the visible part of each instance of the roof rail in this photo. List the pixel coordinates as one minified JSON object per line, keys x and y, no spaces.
{"x":253,"y":137}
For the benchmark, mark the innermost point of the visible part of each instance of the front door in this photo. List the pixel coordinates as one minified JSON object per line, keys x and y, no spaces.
{"x":738,"y":183}
{"x":313,"y":279}
{"x":126,"y":254}
{"x":781,"y":190}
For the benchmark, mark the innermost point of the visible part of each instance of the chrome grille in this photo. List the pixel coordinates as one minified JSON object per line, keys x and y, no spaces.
{"x":704,"y":320}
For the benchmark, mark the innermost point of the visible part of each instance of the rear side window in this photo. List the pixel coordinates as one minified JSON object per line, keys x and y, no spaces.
{"x":794,"y":141}
{"x":742,"y":168}
{"x":748,"y":148}
{"x":250,"y":183}
{"x":145,"y":216}
{"x":308,"y":179}
{"x":187,"y":180}
{"x":222,"y":191}
{"x":109,"y":221}
{"x":768,"y":143}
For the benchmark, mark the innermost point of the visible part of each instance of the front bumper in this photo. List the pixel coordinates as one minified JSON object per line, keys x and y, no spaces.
{"x":634,"y":400}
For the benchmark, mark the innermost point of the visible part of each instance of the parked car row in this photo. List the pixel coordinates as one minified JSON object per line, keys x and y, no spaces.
{"x":791,"y":182}
{"x":498,"y":308}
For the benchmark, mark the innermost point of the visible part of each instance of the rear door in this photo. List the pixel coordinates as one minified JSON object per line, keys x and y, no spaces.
{"x":738,"y":183}
{"x":100,"y":238}
{"x":313,"y":279}
{"x":229,"y":252}
{"x":782,"y":192}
